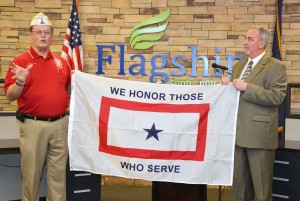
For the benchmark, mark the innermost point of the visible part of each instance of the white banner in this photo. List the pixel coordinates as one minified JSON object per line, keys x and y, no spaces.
{"x":149,"y":131}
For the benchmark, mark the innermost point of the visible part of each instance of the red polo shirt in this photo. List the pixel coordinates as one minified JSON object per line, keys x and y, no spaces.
{"x":45,"y":91}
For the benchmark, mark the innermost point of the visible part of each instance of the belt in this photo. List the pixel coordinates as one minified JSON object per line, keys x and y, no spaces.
{"x":51,"y":119}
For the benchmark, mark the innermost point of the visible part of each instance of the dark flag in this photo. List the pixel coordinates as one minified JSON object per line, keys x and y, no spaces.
{"x":72,"y":46}
{"x":276,"y":48}
{"x":276,"y":53}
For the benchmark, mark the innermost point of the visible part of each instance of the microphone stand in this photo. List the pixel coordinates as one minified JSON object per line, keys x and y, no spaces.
{"x":222,"y":68}
{"x":222,"y":76}
{"x":220,"y":187}
{"x":222,"y":73}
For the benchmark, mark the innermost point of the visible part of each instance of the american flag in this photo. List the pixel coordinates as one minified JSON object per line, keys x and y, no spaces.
{"x":72,"y":45}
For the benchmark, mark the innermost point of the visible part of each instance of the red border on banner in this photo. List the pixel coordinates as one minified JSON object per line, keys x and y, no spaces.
{"x":197,"y":155}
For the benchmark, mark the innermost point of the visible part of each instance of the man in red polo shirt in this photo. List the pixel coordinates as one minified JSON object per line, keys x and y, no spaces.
{"x":40,"y":82}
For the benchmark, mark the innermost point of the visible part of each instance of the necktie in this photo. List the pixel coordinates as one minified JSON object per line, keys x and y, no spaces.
{"x":247,"y":71}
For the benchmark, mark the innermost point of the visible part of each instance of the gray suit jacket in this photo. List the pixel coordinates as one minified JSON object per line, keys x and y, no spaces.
{"x":257,"y":120}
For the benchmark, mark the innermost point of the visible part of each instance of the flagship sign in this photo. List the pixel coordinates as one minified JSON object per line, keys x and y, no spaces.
{"x":142,"y":38}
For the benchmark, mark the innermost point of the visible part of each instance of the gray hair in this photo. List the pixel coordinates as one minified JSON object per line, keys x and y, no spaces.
{"x":264,"y":34}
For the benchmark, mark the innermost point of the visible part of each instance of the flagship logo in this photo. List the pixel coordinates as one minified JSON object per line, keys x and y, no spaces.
{"x":139,"y":33}
{"x":141,"y":36}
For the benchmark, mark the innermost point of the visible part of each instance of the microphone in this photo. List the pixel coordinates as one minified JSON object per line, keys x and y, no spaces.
{"x":214,"y":65}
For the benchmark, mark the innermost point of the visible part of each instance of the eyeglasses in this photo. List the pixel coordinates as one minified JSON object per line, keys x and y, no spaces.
{"x":39,"y":32}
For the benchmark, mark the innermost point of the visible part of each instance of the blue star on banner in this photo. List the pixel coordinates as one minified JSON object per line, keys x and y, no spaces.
{"x":152,"y":132}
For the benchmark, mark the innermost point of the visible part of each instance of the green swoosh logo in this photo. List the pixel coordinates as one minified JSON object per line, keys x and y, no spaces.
{"x":139,"y":34}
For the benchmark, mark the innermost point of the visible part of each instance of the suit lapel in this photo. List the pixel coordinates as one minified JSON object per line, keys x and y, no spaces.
{"x":259,"y":66}
{"x":239,"y":68}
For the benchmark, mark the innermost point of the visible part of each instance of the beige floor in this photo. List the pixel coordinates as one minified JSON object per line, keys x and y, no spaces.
{"x":131,"y":193}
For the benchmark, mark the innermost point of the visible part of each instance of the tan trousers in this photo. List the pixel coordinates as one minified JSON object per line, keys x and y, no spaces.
{"x":42,"y":141}
{"x":253,"y":174}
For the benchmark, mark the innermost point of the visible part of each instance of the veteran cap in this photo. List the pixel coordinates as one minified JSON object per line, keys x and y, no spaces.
{"x":40,"y":19}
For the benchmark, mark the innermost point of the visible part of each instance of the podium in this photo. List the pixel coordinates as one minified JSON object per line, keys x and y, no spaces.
{"x":168,"y":191}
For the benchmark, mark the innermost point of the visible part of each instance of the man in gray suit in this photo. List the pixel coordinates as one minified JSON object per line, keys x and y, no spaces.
{"x":261,"y":80}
